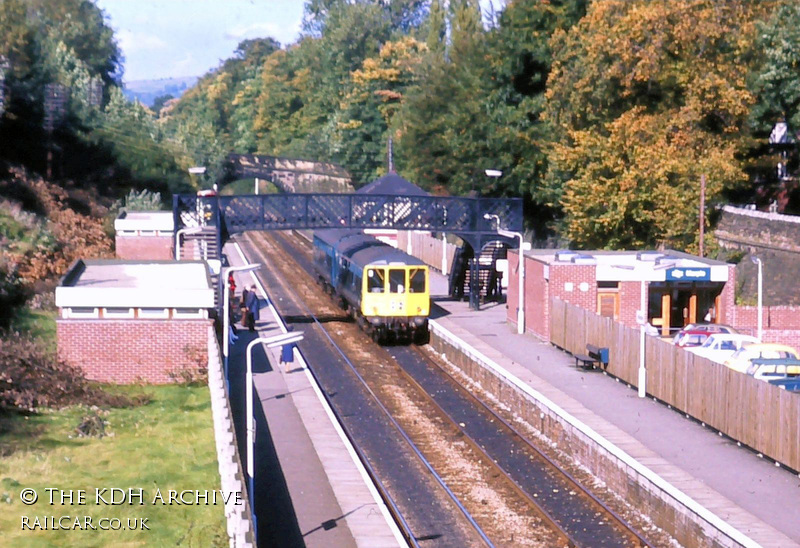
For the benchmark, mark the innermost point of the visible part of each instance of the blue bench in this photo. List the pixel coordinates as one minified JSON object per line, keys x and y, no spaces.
{"x":595,"y":355}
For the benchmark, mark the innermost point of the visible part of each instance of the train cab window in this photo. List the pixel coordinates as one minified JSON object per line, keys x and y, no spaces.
{"x":375,"y":280}
{"x":416,"y":280}
{"x":397,"y":280}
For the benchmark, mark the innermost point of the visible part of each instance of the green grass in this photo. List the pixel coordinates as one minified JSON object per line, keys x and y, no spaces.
{"x":37,"y":323}
{"x":246,"y":186}
{"x":165,"y":444}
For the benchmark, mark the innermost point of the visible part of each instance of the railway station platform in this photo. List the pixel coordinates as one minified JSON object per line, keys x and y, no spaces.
{"x":749,"y":493}
{"x":309,"y":489}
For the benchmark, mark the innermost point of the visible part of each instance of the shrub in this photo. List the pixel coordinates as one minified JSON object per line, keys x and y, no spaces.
{"x":196,"y":372}
{"x":31,"y":377}
{"x":12,"y":293}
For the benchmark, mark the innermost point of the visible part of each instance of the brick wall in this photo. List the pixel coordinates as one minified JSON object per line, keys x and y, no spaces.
{"x":134,"y":248}
{"x":536,"y":301}
{"x":538,"y":291}
{"x":772,"y":317}
{"x":780,"y":324}
{"x":630,"y":299}
{"x":584,"y":284}
{"x":126,"y":351}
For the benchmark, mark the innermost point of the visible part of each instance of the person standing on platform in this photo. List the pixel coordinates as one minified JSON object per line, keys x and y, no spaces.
{"x":252,"y":308}
{"x":243,"y":306}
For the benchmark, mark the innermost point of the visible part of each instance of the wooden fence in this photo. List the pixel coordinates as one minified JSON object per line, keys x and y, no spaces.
{"x":748,"y":410}
{"x":426,"y":247}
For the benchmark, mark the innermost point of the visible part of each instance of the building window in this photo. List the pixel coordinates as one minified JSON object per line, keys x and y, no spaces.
{"x":118,"y":312}
{"x":607,"y":285}
{"x":80,"y":312}
{"x":187,"y":313}
{"x":154,"y":313}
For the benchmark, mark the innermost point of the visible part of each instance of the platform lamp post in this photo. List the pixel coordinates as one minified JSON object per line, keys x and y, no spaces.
{"x":225,"y":312}
{"x":757,"y":261}
{"x":521,"y":289}
{"x":269,"y":342}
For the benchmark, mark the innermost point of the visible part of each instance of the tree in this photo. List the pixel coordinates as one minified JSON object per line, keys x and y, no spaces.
{"x":648,"y":85}
{"x":367,"y":113}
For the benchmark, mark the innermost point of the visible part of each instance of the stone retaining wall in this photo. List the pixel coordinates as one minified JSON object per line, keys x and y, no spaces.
{"x":640,"y":487}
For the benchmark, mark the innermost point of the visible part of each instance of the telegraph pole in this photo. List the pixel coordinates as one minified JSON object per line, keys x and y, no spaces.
{"x":702,"y":212}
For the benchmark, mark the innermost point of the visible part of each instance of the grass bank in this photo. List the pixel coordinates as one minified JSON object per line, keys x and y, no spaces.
{"x":166,"y":444}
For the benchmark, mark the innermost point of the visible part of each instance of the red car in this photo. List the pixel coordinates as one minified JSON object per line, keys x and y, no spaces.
{"x":692,"y":337}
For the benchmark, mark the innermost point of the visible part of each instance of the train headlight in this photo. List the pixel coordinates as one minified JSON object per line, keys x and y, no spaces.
{"x":419,"y":310}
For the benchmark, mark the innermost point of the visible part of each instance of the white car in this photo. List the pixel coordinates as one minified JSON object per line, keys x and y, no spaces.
{"x":721,"y":346}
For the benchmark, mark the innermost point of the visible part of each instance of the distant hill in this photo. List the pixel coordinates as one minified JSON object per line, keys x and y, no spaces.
{"x":147,"y":90}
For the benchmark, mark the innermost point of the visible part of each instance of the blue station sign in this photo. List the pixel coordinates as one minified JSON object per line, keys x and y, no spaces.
{"x":688,"y":275}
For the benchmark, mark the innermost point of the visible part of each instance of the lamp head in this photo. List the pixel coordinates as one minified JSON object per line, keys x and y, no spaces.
{"x":493,"y":173}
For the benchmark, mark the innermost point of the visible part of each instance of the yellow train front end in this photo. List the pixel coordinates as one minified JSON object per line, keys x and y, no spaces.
{"x":396,"y":301}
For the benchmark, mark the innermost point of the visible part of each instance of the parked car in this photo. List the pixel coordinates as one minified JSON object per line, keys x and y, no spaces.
{"x":741,"y":359}
{"x":709,"y":327}
{"x":790,"y":384}
{"x":774,"y":369}
{"x":721,"y":346}
{"x":691,"y":338}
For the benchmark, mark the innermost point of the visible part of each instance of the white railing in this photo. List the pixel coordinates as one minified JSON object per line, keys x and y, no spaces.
{"x":238,"y":517}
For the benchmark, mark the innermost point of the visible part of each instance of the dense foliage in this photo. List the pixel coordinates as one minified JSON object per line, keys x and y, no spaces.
{"x":603,"y":116}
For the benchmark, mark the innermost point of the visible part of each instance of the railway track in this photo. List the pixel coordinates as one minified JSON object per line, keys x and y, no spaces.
{"x":510,"y":492}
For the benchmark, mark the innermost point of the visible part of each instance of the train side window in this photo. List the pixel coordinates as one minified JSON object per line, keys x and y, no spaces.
{"x":375,"y":280}
{"x":416,"y":280}
{"x":397,"y":280}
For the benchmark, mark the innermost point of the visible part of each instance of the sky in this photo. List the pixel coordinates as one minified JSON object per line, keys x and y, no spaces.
{"x":176,"y":38}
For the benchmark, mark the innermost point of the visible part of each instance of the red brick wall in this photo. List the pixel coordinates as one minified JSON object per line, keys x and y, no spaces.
{"x":561,"y":274}
{"x":772,"y":317}
{"x":126,"y":351}
{"x":780,"y":324}
{"x":538,"y":291}
{"x":134,"y":248}
{"x":728,"y":298}
{"x":630,"y":300}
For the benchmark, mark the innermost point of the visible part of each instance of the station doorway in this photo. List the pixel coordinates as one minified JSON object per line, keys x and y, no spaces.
{"x":674,"y":305}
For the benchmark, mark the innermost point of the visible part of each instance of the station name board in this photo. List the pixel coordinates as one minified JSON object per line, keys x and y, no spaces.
{"x":688,"y":275}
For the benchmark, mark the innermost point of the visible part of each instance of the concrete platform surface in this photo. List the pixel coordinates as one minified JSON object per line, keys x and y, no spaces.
{"x":310,"y":492}
{"x":750,"y":493}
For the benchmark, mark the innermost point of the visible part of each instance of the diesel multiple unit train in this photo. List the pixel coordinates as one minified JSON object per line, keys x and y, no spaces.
{"x":384,"y":289}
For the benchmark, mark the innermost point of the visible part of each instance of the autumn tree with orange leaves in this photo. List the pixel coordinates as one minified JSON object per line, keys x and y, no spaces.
{"x":646,"y":97}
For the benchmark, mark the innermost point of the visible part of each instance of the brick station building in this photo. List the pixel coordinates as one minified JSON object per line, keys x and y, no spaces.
{"x":144,"y":235}
{"x":129,"y":321}
{"x":678,"y":288}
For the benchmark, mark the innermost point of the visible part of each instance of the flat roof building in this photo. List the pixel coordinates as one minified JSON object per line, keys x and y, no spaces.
{"x":677,"y":288}
{"x":121,"y":321}
{"x":144,"y":235}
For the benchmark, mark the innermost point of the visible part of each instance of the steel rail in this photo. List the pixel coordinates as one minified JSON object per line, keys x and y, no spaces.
{"x":405,"y":528}
{"x":516,"y":433}
{"x":621,"y":523}
{"x":383,"y":408}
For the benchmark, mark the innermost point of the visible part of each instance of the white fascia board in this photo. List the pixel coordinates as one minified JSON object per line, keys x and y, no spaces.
{"x":162,"y":222}
{"x":719,"y":273}
{"x":611,"y":273}
{"x":133,"y":297}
